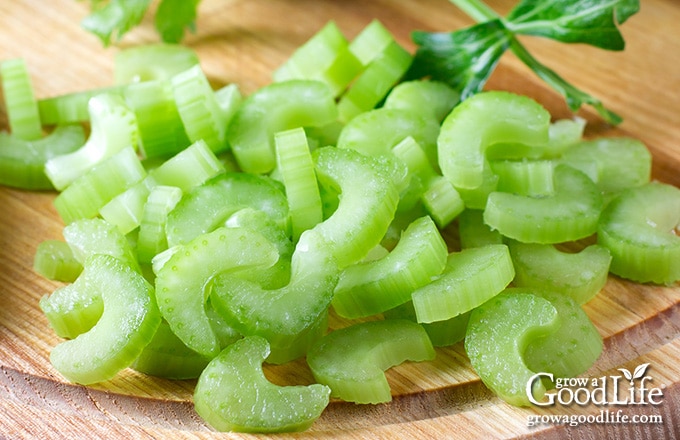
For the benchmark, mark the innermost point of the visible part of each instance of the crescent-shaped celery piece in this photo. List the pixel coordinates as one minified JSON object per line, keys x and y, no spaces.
{"x":72,"y":108}
{"x":579,"y":275}
{"x":150,"y":62}
{"x":233,"y":394}
{"x":571,"y":213}
{"x":640,"y":229}
{"x":276,"y":107}
{"x":372,"y":287}
{"x":54,"y":260}
{"x":352,"y":360}
{"x":21,"y":106}
{"x":113,"y":128}
{"x":498,"y":333}
{"x":471,"y":277}
{"x":485,"y":119}
{"x":441,"y":333}
{"x":434,"y":97}
{"x":183,"y":281}
{"x":127,"y":324}
{"x":533,"y":178}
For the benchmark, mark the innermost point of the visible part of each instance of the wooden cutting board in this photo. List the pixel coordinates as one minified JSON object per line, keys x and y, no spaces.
{"x":242,"y":41}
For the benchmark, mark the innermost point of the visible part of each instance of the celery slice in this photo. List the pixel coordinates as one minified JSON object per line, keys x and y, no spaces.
{"x":473,"y":232}
{"x":127,"y":324}
{"x":276,"y":107}
{"x":441,"y":333}
{"x":352,"y":360}
{"x":498,"y":333}
{"x":571,"y":213}
{"x":152,"y":239}
{"x":54,"y":260}
{"x":639,"y":228}
{"x":149,"y":62}
{"x":471,"y":277}
{"x":20,"y":103}
{"x":113,"y":128}
{"x":72,"y":108}
{"x":375,"y":286}
{"x":423,"y":96}
{"x":532,"y":178}
{"x":371,"y":42}
{"x":233,"y":394}
{"x":476,"y":198}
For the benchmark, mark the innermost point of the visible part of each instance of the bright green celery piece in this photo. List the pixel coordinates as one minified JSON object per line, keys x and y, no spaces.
{"x":352,"y":360}
{"x":99,"y":185}
{"x":614,"y":164}
{"x":20,"y":103}
{"x":483,"y":120}
{"x":441,"y":333}
{"x":219,"y":198}
{"x":374,"y":82}
{"x":325,"y":57}
{"x":151,"y":238}
{"x":572,"y":348}
{"x":160,"y":128}
{"x":233,"y":394}
{"x":113,"y":128}
{"x":371,"y":42}
{"x":276,"y":107}
{"x":203,"y":115}
{"x":532,"y":178}
{"x":182,"y":282}
{"x":73,"y":107}
{"x":127,"y":324}
{"x":640,"y":229}
{"x":471,"y":277}
{"x":499,"y":332}
{"x":571,"y":213}
{"x":476,"y":198}
{"x":579,"y":275}
{"x":149,"y":62}
{"x":54,"y":260}
{"x":187,"y":169}
{"x":296,"y":166}
{"x":22,"y":163}
{"x":372,"y":287}
{"x":473,"y":232}
{"x":435,"y":97}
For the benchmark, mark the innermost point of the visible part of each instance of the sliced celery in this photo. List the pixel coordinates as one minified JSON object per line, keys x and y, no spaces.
{"x":127,"y":324}
{"x":640,"y":229}
{"x":233,"y":394}
{"x":476,"y":198}
{"x":422,"y":96}
{"x":152,"y":239}
{"x":113,"y":128}
{"x":371,"y":42}
{"x":571,"y":213}
{"x":73,"y":107}
{"x":375,"y":286}
{"x":276,"y":107}
{"x":532,"y":178}
{"x":160,"y":61}
{"x":55,"y":261}
{"x":441,"y":333}
{"x":471,"y":277}
{"x":352,"y":360}
{"x":20,"y":103}
{"x":473,"y":232}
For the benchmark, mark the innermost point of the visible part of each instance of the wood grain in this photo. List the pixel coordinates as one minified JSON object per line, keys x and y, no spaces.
{"x":242,"y":41}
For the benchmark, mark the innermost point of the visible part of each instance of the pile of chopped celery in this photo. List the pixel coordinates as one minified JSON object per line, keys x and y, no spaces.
{"x":207,"y":233}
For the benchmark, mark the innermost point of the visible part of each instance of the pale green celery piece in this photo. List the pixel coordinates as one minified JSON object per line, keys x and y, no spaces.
{"x":366,"y":207}
{"x":88,"y":237}
{"x":473,"y":232}
{"x":352,"y":361}
{"x":640,"y":229}
{"x":499,"y":332}
{"x":226,"y":334}
{"x":284,"y":316}
{"x":571,"y":213}
{"x":22,"y":163}
{"x":160,"y":128}
{"x":614,"y":164}
{"x":149,"y":62}
{"x":399,"y":223}
{"x":219,"y":198}
{"x":113,"y":128}
{"x":476,"y":198}
{"x":369,"y":288}
{"x":54,"y":260}
{"x":533,"y":178}
{"x":151,"y":238}
{"x":72,"y":108}
{"x":233,"y":394}
{"x":129,"y":320}
{"x":21,"y":106}
{"x":324,"y":135}
{"x":374,"y":82}
{"x":483,"y":120}
{"x":183,"y":281}
{"x":167,"y":356}
{"x":325,"y":57}
{"x":441,"y":333}
{"x":371,"y":42}
{"x":573,"y":348}
{"x":424,"y":96}
{"x":126,"y":209}
{"x":471,"y":277}
{"x":229,"y":98}
{"x":99,"y":185}
{"x":294,"y":162}
{"x":277,"y":107}
{"x":579,"y":275}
